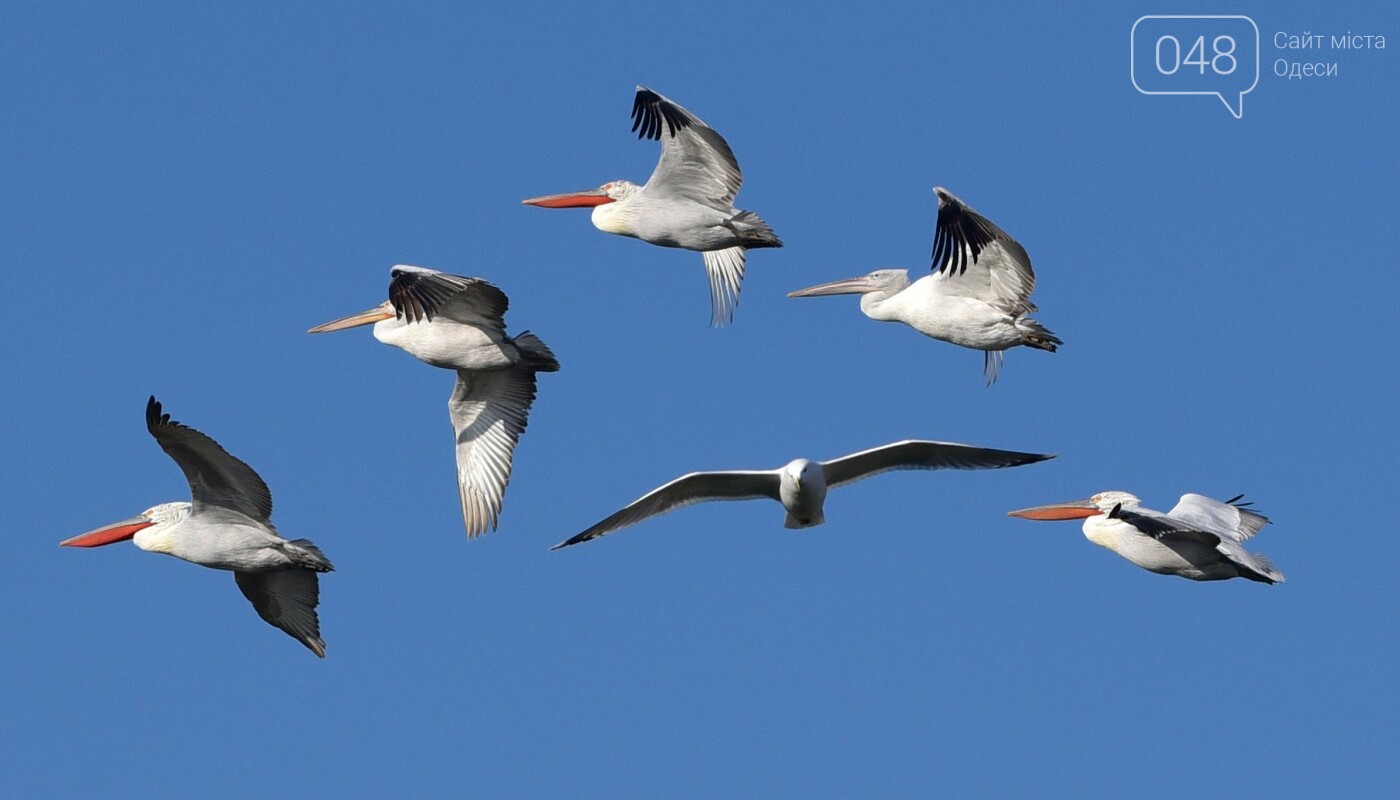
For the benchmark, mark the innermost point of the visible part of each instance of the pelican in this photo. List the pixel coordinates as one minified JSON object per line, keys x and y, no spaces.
{"x":688,"y":202}
{"x":1200,"y":539}
{"x":978,"y":295}
{"x":459,"y":323}
{"x":226,"y":527}
{"x":801,"y":485}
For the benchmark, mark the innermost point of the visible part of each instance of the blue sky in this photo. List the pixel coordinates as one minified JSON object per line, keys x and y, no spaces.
{"x":187,"y":189}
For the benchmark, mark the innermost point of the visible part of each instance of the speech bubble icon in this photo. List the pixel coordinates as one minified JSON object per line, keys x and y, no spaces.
{"x":1185,"y":54}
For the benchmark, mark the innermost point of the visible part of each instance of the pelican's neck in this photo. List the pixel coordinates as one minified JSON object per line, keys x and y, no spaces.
{"x":881,"y":304}
{"x":160,"y":537}
{"x":614,"y":217}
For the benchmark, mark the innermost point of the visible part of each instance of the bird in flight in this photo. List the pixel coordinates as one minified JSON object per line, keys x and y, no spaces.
{"x":226,"y":526}
{"x":688,"y":202}
{"x":977,"y":296}
{"x":1200,"y":538}
{"x":801,"y":485}
{"x":458,"y":323}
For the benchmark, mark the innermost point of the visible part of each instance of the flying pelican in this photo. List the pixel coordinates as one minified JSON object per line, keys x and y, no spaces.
{"x":1201,"y":539}
{"x":801,"y":485}
{"x":977,"y":296}
{"x":688,"y":202}
{"x":459,"y":323}
{"x":226,"y":527}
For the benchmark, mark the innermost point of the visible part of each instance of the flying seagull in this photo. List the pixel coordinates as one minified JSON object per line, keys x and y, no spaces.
{"x":801,"y":485}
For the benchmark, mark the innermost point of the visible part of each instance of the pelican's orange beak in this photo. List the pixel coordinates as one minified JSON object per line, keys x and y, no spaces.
{"x":382,"y":311}
{"x":592,"y":197}
{"x":116,"y":532}
{"x":1075,"y":509}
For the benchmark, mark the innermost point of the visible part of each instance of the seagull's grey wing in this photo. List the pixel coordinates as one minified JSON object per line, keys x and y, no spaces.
{"x":693,"y":488}
{"x":216,"y":478}
{"x":489,"y":413}
{"x":920,"y":454}
{"x":419,"y":294}
{"x":287,"y":599}
{"x":975,"y":258}
{"x":696,"y":162}
{"x":1231,"y":519}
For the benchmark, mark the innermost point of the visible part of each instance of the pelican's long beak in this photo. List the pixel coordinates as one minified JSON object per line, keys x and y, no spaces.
{"x":1075,"y":509}
{"x":382,"y":311}
{"x":109,"y":534}
{"x":859,"y":285}
{"x":592,"y":197}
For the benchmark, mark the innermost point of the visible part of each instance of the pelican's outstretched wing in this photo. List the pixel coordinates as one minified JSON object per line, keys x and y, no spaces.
{"x":696,"y":162}
{"x":216,"y":478}
{"x":975,"y":258}
{"x":489,"y":413}
{"x":419,"y":294}
{"x":920,"y":454}
{"x":693,"y":488}
{"x":1232,"y":518}
{"x":287,"y":599}
{"x":725,"y":269}
{"x":1202,"y":526}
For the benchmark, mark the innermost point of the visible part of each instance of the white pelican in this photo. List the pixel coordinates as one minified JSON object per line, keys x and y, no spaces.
{"x":226,"y":527}
{"x":1201,"y":539}
{"x":688,"y":202}
{"x":459,"y":323}
{"x":801,"y":485}
{"x":978,"y":295}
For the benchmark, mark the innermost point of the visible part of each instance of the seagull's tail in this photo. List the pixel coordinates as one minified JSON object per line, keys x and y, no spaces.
{"x":810,"y":522}
{"x":1033,"y":334}
{"x":536,"y":354}
{"x":753,"y":231}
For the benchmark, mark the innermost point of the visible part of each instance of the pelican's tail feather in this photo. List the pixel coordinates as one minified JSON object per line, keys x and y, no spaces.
{"x":753,"y":231}
{"x":537,"y":354}
{"x":305,"y":554}
{"x":1033,"y":334}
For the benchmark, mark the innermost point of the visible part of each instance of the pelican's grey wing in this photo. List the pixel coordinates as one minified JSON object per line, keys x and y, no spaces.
{"x":696,"y":162}
{"x":1172,"y":527}
{"x":975,"y":258}
{"x":419,"y":294}
{"x":695,"y":487}
{"x":489,"y":413}
{"x":216,"y":478}
{"x":287,"y":599}
{"x":1231,"y":519}
{"x":920,"y":454}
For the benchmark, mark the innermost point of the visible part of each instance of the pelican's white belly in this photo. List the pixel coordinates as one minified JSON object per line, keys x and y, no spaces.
{"x":449,"y":344}
{"x":964,"y":321}
{"x":1187,"y":559}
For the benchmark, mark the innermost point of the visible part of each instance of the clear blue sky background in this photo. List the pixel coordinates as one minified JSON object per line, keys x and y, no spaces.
{"x":186,"y":189}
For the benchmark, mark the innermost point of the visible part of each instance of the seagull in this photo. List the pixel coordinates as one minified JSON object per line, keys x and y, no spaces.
{"x":1201,"y":539}
{"x":458,"y":323}
{"x":688,"y":202}
{"x":226,"y":527}
{"x":978,"y":295}
{"x":801,"y":485}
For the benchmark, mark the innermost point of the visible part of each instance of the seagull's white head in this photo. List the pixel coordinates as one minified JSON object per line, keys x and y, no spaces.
{"x":801,"y":471}
{"x":1101,"y":503}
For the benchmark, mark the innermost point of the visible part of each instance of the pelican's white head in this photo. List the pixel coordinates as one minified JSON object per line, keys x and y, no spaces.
{"x":875,"y":288}
{"x":1101,"y":503}
{"x":148,"y":528}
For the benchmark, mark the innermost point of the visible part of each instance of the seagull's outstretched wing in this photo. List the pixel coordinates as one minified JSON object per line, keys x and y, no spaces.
{"x":287,"y":599}
{"x":975,"y":258}
{"x":696,"y":487}
{"x":696,"y":162}
{"x":216,"y":478}
{"x":921,"y":454}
